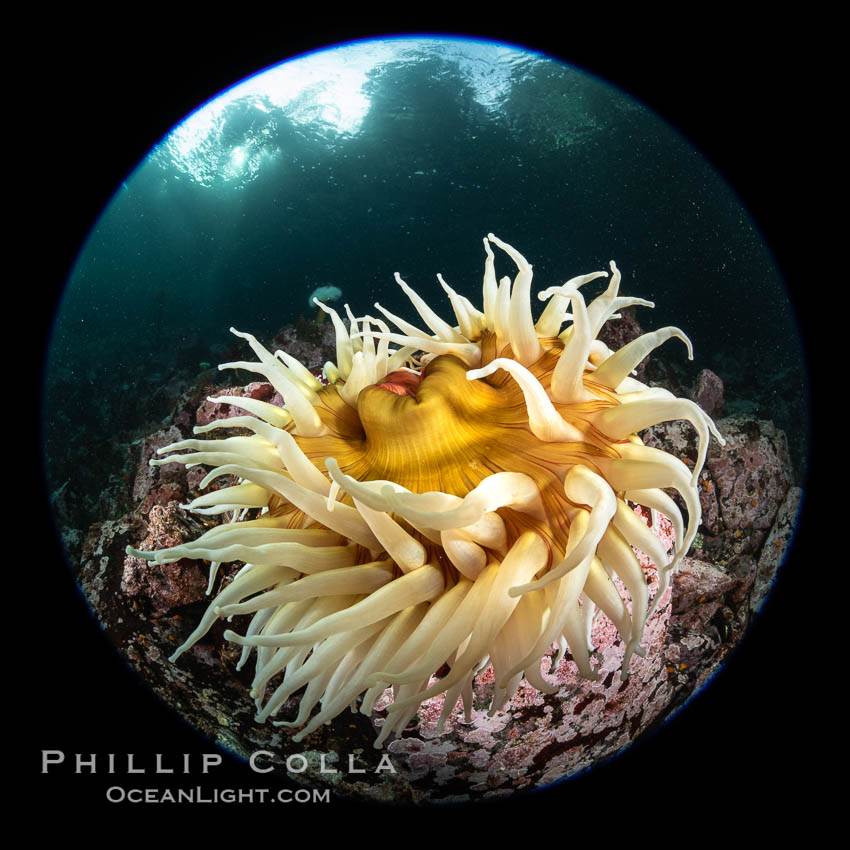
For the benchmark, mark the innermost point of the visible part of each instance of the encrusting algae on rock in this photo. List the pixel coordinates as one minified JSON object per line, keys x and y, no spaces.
{"x":462,"y":498}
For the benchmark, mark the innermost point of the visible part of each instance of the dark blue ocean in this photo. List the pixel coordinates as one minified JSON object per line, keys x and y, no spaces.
{"x":400,"y":159}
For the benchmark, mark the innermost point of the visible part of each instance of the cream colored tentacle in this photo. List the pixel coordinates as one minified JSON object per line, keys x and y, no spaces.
{"x":467,"y":602}
{"x":545,"y":422}
{"x":343,"y":518}
{"x":658,"y":500}
{"x":471,"y":322}
{"x":410,"y":589}
{"x":582,"y":487}
{"x":526,"y":557}
{"x":254,"y":450}
{"x":289,"y":452}
{"x":562,"y":595}
{"x":246,"y":495}
{"x":354,"y":580}
{"x":258,"y":578}
{"x":618,"y":366}
{"x":274,"y":415}
{"x":619,"y":422}
{"x":643,"y":467}
{"x":403,"y":548}
{"x":289,"y":658}
{"x":317,"y":671}
{"x":523,"y":336}
{"x":469,"y":352}
{"x":444,"y":331}
{"x":300,"y":372}
{"x":344,"y":349}
{"x":604,"y":594}
{"x":567,"y":385}
{"x":490,"y":288}
{"x":502,"y":489}
{"x":298,"y":400}
{"x":616,"y":554}
{"x":555,"y":312}
{"x":384,"y":645}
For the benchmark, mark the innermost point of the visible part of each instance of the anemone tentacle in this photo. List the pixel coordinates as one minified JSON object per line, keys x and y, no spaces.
{"x":461,"y":500}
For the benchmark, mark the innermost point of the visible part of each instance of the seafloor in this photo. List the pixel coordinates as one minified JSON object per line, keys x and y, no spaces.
{"x":749,"y":499}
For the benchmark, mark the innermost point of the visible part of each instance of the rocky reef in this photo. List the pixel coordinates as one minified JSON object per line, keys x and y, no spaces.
{"x":750,"y":501}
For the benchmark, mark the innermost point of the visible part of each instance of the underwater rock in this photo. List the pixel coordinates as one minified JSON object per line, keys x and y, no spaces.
{"x":752,"y":472}
{"x":158,"y":485}
{"x":776,"y":546}
{"x":66,"y":516}
{"x":707,"y":392}
{"x":311,"y":343}
{"x":698,"y":583}
{"x":100,"y":564}
{"x":680,"y":439}
{"x":742,"y":485}
{"x":710,"y":615}
{"x":83,"y":498}
{"x":210,"y":411}
{"x":616,"y":333}
{"x":168,"y":586}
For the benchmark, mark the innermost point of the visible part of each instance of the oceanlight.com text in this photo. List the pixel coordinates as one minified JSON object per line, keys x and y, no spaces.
{"x":119,"y":794}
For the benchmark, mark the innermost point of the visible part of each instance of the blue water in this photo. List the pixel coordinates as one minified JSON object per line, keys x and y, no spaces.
{"x":235,"y":218}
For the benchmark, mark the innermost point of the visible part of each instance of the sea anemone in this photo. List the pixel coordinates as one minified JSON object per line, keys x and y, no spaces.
{"x":465,"y":498}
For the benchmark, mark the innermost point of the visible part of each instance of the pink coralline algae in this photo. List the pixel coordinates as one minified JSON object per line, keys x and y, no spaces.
{"x":210,"y":411}
{"x":751,"y":474}
{"x":742,"y":486}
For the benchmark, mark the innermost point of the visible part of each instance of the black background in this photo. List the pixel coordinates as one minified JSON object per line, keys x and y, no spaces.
{"x":100,"y":95}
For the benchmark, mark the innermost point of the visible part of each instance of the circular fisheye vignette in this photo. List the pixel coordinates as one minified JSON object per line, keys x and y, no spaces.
{"x":395,"y":499}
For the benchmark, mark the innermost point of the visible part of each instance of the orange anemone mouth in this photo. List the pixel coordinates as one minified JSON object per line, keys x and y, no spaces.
{"x":402,"y":382}
{"x":464,"y":498}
